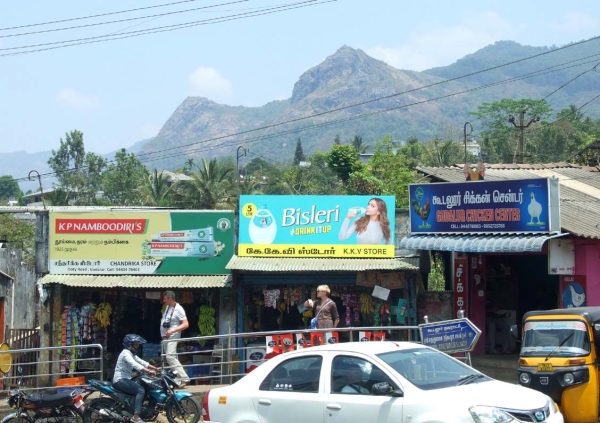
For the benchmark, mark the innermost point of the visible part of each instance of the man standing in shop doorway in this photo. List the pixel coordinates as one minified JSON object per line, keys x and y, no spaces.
{"x":173,"y":322}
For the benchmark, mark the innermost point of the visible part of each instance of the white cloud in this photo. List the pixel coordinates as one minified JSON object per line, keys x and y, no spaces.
{"x":576,"y":22}
{"x":441,"y":46}
{"x":209,"y":83}
{"x":76,"y":100}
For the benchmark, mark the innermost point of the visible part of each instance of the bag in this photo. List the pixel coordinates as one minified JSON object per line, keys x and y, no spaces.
{"x":314,"y":321}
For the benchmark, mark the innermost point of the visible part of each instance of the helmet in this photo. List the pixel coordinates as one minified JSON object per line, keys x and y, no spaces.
{"x":132,"y":342}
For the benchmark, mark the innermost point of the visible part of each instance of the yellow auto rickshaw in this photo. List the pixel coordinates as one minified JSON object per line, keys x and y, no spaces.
{"x":559,"y":357}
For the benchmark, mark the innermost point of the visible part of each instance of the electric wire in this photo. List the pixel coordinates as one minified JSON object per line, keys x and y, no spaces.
{"x":143,"y":157}
{"x":166,"y":28}
{"x":95,"y":16}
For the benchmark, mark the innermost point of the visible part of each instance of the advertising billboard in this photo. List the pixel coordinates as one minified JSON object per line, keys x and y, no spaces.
{"x":141,"y":242}
{"x":316,"y":226}
{"x":522,"y":205}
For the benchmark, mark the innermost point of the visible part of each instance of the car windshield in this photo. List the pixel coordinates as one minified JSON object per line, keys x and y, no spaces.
{"x":430,"y":369}
{"x":540,"y":338}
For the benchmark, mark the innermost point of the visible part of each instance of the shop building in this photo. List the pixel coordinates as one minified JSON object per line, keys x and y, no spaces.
{"x":107,"y":270}
{"x":517,"y":268}
{"x":289,"y":245}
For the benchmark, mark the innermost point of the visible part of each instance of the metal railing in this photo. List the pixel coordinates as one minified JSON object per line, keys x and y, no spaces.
{"x":42,"y":373}
{"x":232,"y":358}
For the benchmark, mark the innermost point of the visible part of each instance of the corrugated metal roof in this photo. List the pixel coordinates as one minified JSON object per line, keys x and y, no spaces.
{"x":477,"y":243}
{"x":135,"y":281}
{"x":296,"y":264}
{"x":579,"y":190}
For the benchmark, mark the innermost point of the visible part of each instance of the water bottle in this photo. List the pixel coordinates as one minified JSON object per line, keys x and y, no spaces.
{"x":262,"y":228}
{"x":359,"y":211}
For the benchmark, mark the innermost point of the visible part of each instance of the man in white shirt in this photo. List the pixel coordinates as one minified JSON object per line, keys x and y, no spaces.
{"x":173,"y":322}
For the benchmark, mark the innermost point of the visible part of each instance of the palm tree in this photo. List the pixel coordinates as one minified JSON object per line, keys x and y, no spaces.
{"x":156,"y":189}
{"x":210,"y":187}
{"x":361,"y":147}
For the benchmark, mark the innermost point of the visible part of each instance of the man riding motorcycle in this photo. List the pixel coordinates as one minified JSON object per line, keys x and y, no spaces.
{"x":126,"y":363}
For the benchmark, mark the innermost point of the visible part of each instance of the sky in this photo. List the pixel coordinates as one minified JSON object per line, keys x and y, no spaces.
{"x":122,"y":91}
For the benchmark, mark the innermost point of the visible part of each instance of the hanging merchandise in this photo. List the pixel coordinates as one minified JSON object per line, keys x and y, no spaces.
{"x":187,"y":297}
{"x":70,"y":336}
{"x":206,"y":322}
{"x":103,"y":313}
{"x":88,"y":323}
{"x":271,"y":297}
{"x":353,"y":306}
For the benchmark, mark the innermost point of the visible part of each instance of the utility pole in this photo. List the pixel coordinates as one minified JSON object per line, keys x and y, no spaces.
{"x":521,"y":126}
{"x":237,"y":160}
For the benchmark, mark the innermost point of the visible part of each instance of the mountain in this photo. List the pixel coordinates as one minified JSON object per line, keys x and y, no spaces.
{"x":19,"y":164}
{"x":357,"y":93}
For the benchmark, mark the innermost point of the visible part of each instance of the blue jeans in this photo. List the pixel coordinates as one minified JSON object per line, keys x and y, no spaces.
{"x":130,"y":387}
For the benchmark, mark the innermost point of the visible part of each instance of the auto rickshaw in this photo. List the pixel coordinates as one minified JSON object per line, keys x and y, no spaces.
{"x":559,"y":357}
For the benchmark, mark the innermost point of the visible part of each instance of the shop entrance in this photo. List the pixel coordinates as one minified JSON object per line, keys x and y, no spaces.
{"x":514,"y":286}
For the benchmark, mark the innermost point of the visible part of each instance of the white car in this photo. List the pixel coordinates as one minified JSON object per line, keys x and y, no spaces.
{"x":381,"y":382}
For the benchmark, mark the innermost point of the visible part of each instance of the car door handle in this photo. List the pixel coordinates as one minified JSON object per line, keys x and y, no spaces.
{"x":334,"y":406}
{"x":264,"y":401}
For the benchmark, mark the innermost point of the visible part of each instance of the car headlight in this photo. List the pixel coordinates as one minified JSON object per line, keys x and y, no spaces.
{"x":568,"y":378}
{"x":483,"y":414}
{"x":524,"y":378}
{"x":552,"y":405}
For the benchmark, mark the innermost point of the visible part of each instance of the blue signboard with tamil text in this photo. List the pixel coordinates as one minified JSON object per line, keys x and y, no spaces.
{"x":521,"y":205}
{"x":450,"y":336}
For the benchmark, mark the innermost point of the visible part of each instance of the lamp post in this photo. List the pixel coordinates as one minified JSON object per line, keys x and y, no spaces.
{"x":40,"y":182}
{"x":465,"y":133}
{"x":241,"y":152}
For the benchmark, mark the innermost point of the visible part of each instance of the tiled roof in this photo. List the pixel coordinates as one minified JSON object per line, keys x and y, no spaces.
{"x":579,"y":189}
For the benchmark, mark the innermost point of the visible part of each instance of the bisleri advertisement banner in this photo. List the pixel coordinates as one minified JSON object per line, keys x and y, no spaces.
{"x":316,"y":226}
{"x":141,"y":242}
{"x":521,"y":205}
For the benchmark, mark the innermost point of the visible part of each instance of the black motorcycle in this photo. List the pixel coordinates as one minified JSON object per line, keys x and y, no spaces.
{"x":160,"y":396}
{"x":66,"y":407}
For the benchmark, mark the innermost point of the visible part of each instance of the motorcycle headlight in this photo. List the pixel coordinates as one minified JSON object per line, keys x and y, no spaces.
{"x":484,"y":414}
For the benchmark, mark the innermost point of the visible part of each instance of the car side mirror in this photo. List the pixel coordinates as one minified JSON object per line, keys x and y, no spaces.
{"x":384,"y":388}
{"x":514,"y":331}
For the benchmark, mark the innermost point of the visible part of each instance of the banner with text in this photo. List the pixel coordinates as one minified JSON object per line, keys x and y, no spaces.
{"x":522,"y":205}
{"x":316,"y":226}
{"x":141,"y":242}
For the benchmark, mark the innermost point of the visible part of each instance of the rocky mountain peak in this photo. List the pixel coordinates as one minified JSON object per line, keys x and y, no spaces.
{"x":347,"y":66}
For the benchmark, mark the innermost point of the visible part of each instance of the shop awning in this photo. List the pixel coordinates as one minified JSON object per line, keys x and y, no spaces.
{"x":481,"y":243}
{"x":296,"y":264}
{"x":135,"y":281}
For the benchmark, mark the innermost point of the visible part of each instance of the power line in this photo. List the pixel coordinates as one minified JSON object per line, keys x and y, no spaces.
{"x":95,"y":16}
{"x":166,"y":28}
{"x":123,"y":20}
{"x":532,"y":74}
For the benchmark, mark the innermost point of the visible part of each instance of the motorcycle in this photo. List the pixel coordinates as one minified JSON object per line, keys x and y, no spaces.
{"x":160,"y":396}
{"x":65,"y":407}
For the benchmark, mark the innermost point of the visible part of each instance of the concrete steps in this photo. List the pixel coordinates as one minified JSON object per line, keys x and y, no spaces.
{"x":500,"y":367}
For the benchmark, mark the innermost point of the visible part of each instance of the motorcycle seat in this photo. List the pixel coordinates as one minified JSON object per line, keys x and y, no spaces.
{"x":53,"y":400}
{"x":103,"y":382}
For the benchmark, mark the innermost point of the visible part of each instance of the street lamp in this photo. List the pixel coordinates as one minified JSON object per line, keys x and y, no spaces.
{"x":465,"y":133}
{"x":241,"y":152}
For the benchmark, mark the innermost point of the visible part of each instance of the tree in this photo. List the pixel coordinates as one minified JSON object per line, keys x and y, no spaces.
{"x":9,"y":188}
{"x":391,"y":169}
{"x":299,"y":154}
{"x":18,"y":234}
{"x":413,"y":151}
{"x":78,"y":173}
{"x":441,"y":153}
{"x":337,"y":139}
{"x":499,"y":136}
{"x":343,"y":160}
{"x":359,"y":145}
{"x":210,"y":188}
{"x":122,"y":179}
{"x":156,"y":191}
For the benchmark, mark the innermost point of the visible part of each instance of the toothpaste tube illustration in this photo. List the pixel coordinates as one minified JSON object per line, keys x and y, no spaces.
{"x":182,"y":249}
{"x":201,"y":234}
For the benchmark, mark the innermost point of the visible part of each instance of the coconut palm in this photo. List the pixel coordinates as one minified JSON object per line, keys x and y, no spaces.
{"x":361,"y":147}
{"x":156,"y":189}
{"x":210,"y":187}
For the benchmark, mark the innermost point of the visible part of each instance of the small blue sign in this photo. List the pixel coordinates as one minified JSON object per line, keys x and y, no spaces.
{"x":523,"y":205}
{"x":450,"y":336}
